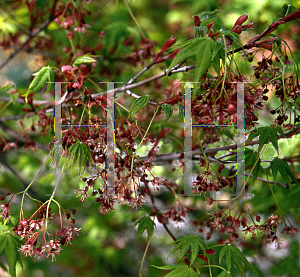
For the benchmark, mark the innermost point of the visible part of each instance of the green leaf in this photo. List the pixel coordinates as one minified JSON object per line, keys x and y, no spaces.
{"x":168,"y":110}
{"x":6,"y":88}
{"x":79,"y":152}
{"x":252,"y":136}
{"x":203,"y":58}
{"x":145,"y":223}
{"x":11,"y":253}
{"x":234,"y":37}
{"x":44,"y":75}
{"x":181,"y":111}
{"x":179,"y":271}
{"x":233,"y":254}
{"x":224,"y":274}
{"x":187,"y":52}
{"x":210,"y":15}
{"x":192,"y":242}
{"x":285,"y":171}
{"x":3,"y":241}
{"x":200,"y":47}
{"x":256,"y":169}
{"x":274,"y":167}
{"x":200,"y":31}
{"x":138,"y":104}
{"x":286,"y":10}
{"x":218,"y":53}
{"x":266,"y":134}
{"x":87,"y":58}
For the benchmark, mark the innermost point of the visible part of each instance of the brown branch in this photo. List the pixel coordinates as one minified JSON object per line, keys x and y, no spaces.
{"x":31,"y":35}
{"x":186,"y":261}
{"x":272,"y":27}
{"x":12,"y":133}
{"x":267,"y":181}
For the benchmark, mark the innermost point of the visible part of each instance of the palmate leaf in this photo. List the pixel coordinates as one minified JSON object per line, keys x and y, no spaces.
{"x":202,"y":49}
{"x":266,"y":134}
{"x":187,"y":52}
{"x":203,"y":58}
{"x":145,"y":223}
{"x":250,"y":159}
{"x":218,"y":53}
{"x":192,"y":242}
{"x":231,"y":254}
{"x":179,"y":271}
{"x":79,"y":152}
{"x":9,"y":245}
{"x":285,"y":171}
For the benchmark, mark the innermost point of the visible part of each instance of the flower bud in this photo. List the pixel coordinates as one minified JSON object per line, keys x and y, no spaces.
{"x":237,"y":29}
{"x":167,"y":44}
{"x":247,"y":26}
{"x":240,"y":20}
{"x":196,"y":20}
{"x":265,"y":45}
{"x":210,"y":25}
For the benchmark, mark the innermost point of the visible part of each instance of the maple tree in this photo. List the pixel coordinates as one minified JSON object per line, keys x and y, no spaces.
{"x":168,"y":85}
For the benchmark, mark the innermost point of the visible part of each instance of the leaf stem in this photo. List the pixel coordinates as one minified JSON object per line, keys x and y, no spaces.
{"x":148,"y":243}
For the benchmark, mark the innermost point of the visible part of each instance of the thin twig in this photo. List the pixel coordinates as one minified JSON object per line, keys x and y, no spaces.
{"x":31,"y":35}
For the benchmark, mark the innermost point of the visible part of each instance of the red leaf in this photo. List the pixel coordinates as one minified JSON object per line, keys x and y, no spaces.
{"x":210,"y":252}
{"x":203,"y":258}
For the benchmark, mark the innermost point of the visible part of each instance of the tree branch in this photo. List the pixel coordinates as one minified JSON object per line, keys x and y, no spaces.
{"x":31,"y":35}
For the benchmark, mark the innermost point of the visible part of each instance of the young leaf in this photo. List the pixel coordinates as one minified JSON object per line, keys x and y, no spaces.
{"x":44,"y":75}
{"x":231,"y":254}
{"x":145,"y":223}
{"x":138,"y":104}
{"x":286,"y":10}
{"x":234,"y":37}
{"x":179,"y":271}
{"x":87,"y":58}
{"x":168,"y":111}
{"x":210,"y":15}
{"x":192,"y":242}
{"x":7,"y":88}
{"x":79,"y":152}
